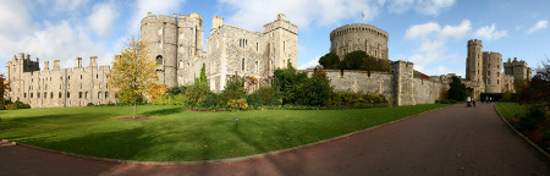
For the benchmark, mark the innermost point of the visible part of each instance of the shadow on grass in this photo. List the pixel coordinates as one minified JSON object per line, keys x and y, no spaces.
{"x":163,"y":112}
{"x":113,"y":145}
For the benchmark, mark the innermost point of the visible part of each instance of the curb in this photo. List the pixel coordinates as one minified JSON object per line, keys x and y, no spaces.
{"x":221,"y":161}
{"x":522,"y":136}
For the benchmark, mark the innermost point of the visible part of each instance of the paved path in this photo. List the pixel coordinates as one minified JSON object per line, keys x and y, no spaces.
{"x":452,"y":141}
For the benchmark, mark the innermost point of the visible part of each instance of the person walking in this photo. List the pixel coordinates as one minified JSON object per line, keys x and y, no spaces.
{"x":490,"y":99}
{"x":469,"y":99}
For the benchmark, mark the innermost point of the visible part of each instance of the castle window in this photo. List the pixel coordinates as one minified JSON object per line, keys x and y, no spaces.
{"x":160,"y":31}
{"x":181,"y":49}
{"x":68,"y":86}
{"x":256,"y":67}
{"x":68,"y":94}
{"x":38,"y":95}
{"x":242,"y":64}
{"x":488,"y":81}
{"x":24,"y":95}
{"x":181,"y":64}
{"x":160,"y":45}
{"x":80,"y":76}
{"x":99,"y":95}
{"x":489,"y":74}
{"x":79,"y":94}
{"x":68,"y":77}
{"x":159,"y":60}
{"x":31,"y":95}
{"x":498,"y":74}
{"x":257,"y":49}
{"x":498,"y":81}
{"x":181,"y":36}
{"x":284,"y":45}
{"x":51,"y":95}
{"x":106,"y":94}
{"x":59,"y":94}
{"x":87,"y":96}
{"x":96,"y":76}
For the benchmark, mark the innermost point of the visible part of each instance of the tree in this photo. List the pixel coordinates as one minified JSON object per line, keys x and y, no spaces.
{"x":233,"y":90}
{"x":157,"y":90}
{"x":519,"y":85}
{"x":286,"y":82}
{"x":329,"y":61}
{"x":314,"y":91}
{"x":537,"y":91}
{"x":4,"y":88}
{"x":458,"y":90}
{"x":199,"y":91}
{"x":133,"y":72}
{"x":353,"y":60}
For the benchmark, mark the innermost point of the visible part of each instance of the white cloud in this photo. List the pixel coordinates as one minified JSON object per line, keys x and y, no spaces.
{"x":15,"y":19}
{"x":425,"y":7}
{"x":252,"y":14}
{"x":102,"y":18}
{"x":432,"y":40}
{"x":310,"y":64}
{"x":490,"y":33}
{"x":542,"y":24}
{"x":165,"y":7}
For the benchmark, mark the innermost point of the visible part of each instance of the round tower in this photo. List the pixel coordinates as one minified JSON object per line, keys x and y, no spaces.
{"x":474,"y":61}
{"x":160,"y":34}
{"x":492,"y":72}
{"x":352,"y":37}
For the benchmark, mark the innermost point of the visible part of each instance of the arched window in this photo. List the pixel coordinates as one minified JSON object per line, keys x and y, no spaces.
{"x":242,"y":64}
{"x":159,"y":60}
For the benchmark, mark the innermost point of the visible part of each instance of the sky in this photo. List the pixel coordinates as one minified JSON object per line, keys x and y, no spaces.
{"x":432,"y":34}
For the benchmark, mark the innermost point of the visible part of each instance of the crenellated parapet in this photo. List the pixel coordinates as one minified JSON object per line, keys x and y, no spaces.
{"x":352,"y":37}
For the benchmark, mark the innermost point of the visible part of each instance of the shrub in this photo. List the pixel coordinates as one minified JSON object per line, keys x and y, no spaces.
{"x":176,"y":90}
{"x":196,"y":93}
{"x":90,"y":104}
{"x":11,"y":107}
{"x":234,"y":89}
{"x":210,"y":101}
{"x":314,"y":91}
{"x":254,"y":99}
{"x":532,"y":119}
{"x":266,"y":94}
{"x":237,"y":104}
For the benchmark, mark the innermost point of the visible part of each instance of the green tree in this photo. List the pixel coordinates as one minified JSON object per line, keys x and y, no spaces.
{"x":233,"y":90}
{"x":353,"y":60}
{"x":329,"y":61}
{"x":286,"y":82}
{"x":519,"y":85}
{"x":314,"y":91}
{"x":199,"y":91}
{"x":458,"y":90}
{"x":133,"y":73}
{"x":4,"y":88}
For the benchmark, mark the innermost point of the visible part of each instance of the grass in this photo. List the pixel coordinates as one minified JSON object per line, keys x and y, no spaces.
{"x":173,"y":134}
{"x":509,"y":110}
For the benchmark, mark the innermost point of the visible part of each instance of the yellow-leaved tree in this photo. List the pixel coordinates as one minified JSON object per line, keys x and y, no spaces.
{"x":133,"y":73}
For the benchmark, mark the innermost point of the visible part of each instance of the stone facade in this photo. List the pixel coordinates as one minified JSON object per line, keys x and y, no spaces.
{"x":176,"y":43}
{"x":232,"y":50}
{"x":352,"y":37}
{"x":57,"y":87}
{"x":518,"y":69}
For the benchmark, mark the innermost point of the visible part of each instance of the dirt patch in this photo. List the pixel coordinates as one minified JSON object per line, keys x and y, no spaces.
{"x":136,"y":119}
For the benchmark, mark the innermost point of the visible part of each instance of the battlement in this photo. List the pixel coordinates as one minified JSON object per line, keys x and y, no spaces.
{"x":358,"y":28}
{"x":150,"y":18}
{"x":475,"y":42}
{"x":281,"y":22}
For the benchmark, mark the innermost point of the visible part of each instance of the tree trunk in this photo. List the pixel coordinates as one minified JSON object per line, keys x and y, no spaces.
{"x":135,"y":107}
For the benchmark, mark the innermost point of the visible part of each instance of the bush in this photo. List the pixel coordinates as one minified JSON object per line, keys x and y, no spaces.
{"x":234,"y":89}
{"x":176,"y":90}
{"x":239,"y":104}
{"x":314,"y":91}
{"x":254,"y":100}
{"x":532,"y":119}
{"x":210,"y":101}
{"x":266,"y":94}
{"x":90,"y":104}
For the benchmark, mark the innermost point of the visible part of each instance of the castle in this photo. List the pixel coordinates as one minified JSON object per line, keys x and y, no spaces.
{"x":176,"y":44}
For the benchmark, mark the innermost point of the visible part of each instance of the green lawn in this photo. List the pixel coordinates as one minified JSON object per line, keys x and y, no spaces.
{"x":509,"y":110}
{"x":173,"y":134}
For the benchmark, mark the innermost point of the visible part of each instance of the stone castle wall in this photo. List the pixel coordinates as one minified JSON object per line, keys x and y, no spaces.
{"x":57,"y":87}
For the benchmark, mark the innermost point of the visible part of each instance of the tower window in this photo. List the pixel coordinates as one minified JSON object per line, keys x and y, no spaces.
{"x":257,"y":68}
{"x":159,"y":60}
{"x":160,"y":31}
{"x":242,"y":64}
{"x":181,"y":64}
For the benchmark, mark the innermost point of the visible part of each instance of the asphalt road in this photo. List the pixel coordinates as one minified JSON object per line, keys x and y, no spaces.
{"x":452,"y":141}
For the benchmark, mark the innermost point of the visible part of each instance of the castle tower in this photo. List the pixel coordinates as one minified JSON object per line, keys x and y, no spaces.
{"x":283,"y":38}
{"x":492,"y":72}
{"x":474,"y":61}
{"x":160,"y":34}
{"x":190,"y":47}
{"x":518,"y":69}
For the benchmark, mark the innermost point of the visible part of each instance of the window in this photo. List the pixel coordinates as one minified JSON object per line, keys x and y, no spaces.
{"x":79,"y":94}
{"x":87,"y":95}
{"x":181,"y":49}
{"x":181,"y":36}
{"x":24,"y":95}
{"x":80,"y":76}
{"x":160,"y":46}
{"x":59,"y":94}
{"x":51,"y":95}
{"x":106,"y":94}
{"x":257,"y":48}
{"x":96,"y":76}
{"x":242,"y":65}
{"x":498,"y":81}
{"x":181,"y":64}
{"x":284,"y":45}
{"x":68,"y":94}
{"x":68,"y":77}
{"x":159,"y":60}
{"x":489,"y":74}
{"x":31,"y":95}
{"x":99,"y":95}
{"x":160,"y":31}
{"x":38,"y":95}
{"x":256,"y":67}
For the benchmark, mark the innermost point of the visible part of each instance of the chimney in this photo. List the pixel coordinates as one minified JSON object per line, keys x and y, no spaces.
{"x":79,"y":62}
{"x":46,"y":65}
{"x":56,"y":65}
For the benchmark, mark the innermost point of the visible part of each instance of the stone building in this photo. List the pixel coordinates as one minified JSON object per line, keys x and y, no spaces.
{"x":518,"y":69}
{"x":176,"y":44}
{"x":352,"y":37}
{"x":57,"y":87}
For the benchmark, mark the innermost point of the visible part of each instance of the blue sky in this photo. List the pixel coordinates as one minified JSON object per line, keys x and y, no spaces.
{"x":431,"y":33}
